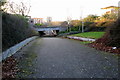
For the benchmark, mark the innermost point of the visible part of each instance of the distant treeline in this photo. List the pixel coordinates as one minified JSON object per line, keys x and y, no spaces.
{"x":15,"y":28}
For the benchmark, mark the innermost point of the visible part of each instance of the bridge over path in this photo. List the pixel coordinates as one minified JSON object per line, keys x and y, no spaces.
{"x":55,"y":30}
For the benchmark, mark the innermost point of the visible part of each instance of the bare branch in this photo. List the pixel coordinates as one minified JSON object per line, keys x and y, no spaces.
{"x":20,"y":8}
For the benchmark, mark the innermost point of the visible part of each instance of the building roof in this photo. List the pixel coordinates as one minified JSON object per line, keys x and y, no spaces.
{"x":111,"y":7}
{"x":37,"y":18}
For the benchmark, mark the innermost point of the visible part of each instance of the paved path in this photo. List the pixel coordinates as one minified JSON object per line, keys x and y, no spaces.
{"x":64,"y":58}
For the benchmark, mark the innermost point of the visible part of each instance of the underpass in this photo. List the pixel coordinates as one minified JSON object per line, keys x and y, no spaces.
{"x":49,"y":30}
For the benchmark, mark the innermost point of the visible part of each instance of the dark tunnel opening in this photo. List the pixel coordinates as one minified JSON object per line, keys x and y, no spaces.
{"x":41,"y":33}
{"x":53,"y":33}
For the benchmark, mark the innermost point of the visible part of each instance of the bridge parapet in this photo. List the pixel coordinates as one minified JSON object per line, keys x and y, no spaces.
{"x":46,"y":29}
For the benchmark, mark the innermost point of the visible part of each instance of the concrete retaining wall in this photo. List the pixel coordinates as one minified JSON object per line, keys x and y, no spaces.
{"x":9,"y":52}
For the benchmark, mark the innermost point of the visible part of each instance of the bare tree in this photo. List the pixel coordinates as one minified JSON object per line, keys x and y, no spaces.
{"x":2,"y":2}
{"x":15,"y":8}
{"x":23,"y":9}
{"x":69,"y":23}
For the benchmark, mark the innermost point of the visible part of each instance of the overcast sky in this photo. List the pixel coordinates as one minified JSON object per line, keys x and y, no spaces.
{"x":59,"y":10}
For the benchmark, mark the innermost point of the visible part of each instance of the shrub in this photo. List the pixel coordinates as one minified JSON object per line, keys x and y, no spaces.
{"x":14,"y":30}
{"x":112,"y":35}
{"x":75,"y":28}
{"x":38,"y":24}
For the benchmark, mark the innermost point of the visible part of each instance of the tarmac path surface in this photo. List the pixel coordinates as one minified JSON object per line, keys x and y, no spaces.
{"x":65,"y":58}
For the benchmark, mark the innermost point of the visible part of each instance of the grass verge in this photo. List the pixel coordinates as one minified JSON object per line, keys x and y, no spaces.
{"x":93,"y":35}
{"x":85,"y":42}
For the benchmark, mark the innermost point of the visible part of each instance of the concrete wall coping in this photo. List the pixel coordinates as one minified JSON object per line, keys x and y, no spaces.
{"x":81,"y":38}
{"x":12,"y":50}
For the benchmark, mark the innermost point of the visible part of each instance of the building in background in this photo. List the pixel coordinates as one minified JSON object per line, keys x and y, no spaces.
{"x":111,"y":9}
{"x":38,"y":20}
{"x":49,"y":19}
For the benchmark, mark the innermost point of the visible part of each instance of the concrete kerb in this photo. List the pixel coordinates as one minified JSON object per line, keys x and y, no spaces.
{"x":9,"y":52}
{"x":81,"y":38}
